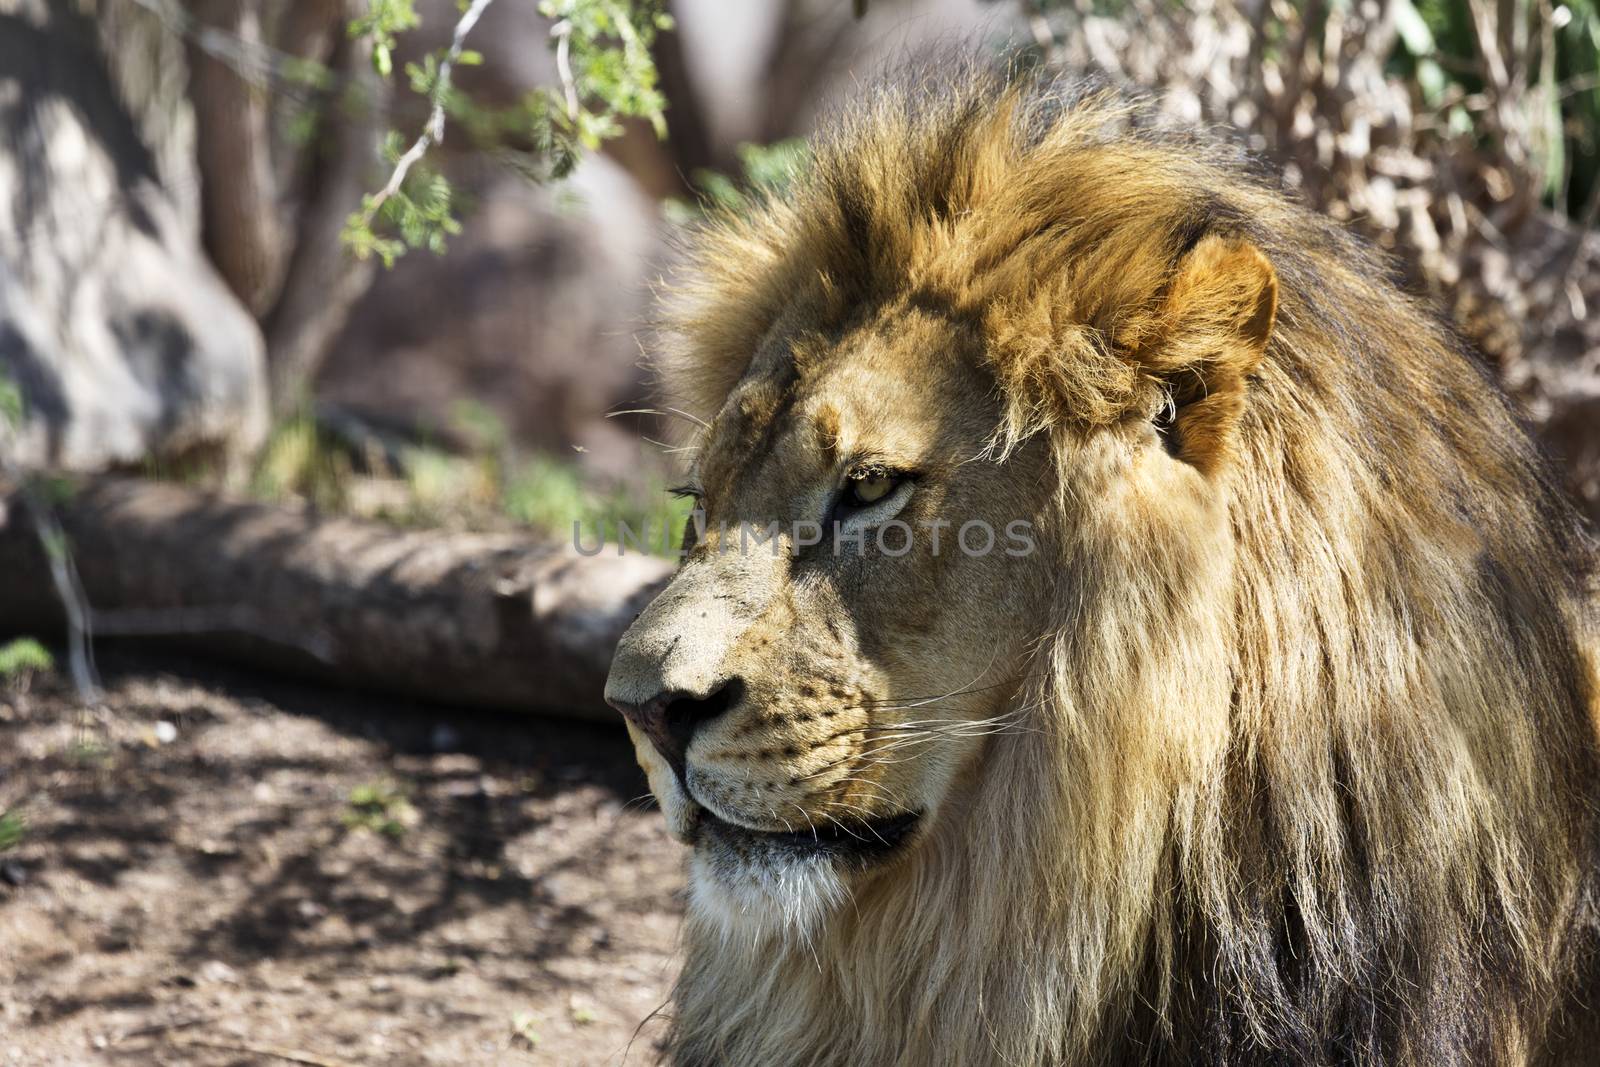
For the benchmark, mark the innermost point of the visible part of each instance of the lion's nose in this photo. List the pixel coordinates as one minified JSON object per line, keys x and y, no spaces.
{"x":670,"y":719}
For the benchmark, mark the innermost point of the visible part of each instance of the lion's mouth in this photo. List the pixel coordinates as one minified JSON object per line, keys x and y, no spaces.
{"x":860,"y":842}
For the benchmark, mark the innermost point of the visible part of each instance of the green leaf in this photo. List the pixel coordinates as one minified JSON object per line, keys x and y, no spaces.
{"x":613,"y":78}
{"x":1413,"y":29}
{"x":1433,"y":80}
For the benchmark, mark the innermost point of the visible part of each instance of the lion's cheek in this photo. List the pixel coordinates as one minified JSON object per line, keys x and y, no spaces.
{"x":675,"y":804}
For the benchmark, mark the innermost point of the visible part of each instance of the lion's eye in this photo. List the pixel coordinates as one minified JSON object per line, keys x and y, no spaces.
{"x":869,"y":489}
{"x":872,"y":494}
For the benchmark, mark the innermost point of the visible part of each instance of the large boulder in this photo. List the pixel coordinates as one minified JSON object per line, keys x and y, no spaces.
{"x":122,"y":339}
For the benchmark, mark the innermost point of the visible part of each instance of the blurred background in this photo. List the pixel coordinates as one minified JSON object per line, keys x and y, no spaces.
{"x":321,"y":324}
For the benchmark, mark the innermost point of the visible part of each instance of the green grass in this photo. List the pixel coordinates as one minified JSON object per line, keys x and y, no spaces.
{"x":89,"y":749}
{"x":488,"y":485}
{"x":299,"y":460}
{"x":22,"y":658}
{"x":525,"y":1029}
{"x":380,"y":807}
{"x":549,"y":495}
{"x":12,"y":829}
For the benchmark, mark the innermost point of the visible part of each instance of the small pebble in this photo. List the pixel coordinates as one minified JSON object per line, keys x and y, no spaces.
{"x":219,"y":972}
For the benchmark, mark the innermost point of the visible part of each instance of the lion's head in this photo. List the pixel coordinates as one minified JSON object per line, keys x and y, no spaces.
{"x":806,"y":711}
{"x":1116,"y":623}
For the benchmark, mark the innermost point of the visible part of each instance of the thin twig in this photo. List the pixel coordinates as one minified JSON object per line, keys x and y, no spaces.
{"x":167,"y":1027}
{"x":1580,"y":247}
{"x":74,"y":601}
{"x":562,"y":32}
{"x":69,"y":589}
{"x":432,"y":130}
{"x":288,"y":1055}
{"x":63,"y":572}
{"x":258,"y":64}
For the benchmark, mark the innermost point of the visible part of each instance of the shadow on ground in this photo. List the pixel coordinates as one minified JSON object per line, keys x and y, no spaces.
{"x":222,"y":868}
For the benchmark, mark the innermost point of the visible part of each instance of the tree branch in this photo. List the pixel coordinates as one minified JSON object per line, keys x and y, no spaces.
{"x":64,"y":581}
{"x":238,"y":196}
{"x":433,"y":129}
{"x":498,"y":620}
{"x":323,"y":282}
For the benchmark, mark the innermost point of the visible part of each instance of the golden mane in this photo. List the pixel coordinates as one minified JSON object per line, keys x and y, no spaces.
{"x":1324,"y":794}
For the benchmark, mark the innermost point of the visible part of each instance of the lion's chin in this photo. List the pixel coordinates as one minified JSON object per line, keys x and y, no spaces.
{"x":754,"y":884}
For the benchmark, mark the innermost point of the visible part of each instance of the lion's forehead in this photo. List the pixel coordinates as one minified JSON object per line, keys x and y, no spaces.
{"x":879,"y":394}
{"x":761,"y":447}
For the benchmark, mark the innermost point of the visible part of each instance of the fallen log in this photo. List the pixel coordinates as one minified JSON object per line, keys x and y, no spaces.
{"x":493,"y":620}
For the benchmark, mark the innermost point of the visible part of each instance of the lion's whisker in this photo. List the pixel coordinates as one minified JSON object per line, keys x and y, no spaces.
{"x":885,"y":737}
{"x":663,"y":410}
{"x":807,"y":814}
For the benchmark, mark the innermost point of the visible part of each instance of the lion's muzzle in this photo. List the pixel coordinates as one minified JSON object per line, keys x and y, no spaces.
{"x":669,"y":719}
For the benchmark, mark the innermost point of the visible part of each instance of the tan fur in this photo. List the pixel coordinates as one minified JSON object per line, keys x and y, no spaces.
{"x":1280,"y":749}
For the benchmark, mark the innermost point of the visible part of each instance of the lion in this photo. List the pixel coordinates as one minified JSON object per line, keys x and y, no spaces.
{"x":1261,"y":729}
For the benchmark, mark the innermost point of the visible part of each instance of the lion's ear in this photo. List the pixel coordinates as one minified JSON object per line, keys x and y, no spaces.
{"x":1212,"y":329}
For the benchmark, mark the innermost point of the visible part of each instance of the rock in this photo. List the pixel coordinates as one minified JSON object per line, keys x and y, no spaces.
{"x":122,"y":339}
{"x":218,"y":973}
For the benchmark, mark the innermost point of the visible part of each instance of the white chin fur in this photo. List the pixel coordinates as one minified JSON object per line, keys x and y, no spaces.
{"x":752,"y":902}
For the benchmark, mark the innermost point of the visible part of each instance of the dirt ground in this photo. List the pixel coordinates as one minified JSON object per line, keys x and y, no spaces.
{"x":223,"y":869}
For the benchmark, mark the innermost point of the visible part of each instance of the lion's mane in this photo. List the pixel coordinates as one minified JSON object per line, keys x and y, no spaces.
{"x":1323,"y":795}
